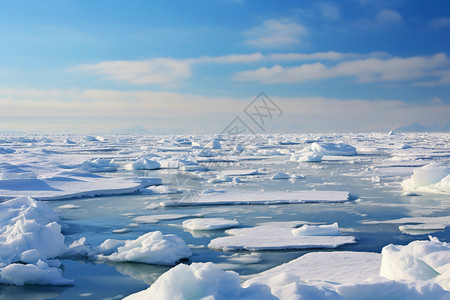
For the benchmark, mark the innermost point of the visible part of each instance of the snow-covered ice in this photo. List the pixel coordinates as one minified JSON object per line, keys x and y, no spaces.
{"x":201,"y":281}
{"x":209,"y":224}
{"x":269,"y":197}
{"x":150,"y":248}
{"x":431,"y":178}
{"x":272,"y":237}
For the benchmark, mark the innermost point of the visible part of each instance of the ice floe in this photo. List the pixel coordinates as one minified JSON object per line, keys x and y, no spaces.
{"x":30,"y":240}
{"x":72,"y":184}
{"x":331,"y":149}
{"x":150,"y":248}
{"x":431,"y":178}
{"x":143,"y":164}
{"x":271,"y":237}
{"x":269,"y":197}
{"x":201,"y":281}
{"x":209,"y":224}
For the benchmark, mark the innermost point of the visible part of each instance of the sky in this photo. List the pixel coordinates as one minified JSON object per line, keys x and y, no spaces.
{"x":195,"y":66}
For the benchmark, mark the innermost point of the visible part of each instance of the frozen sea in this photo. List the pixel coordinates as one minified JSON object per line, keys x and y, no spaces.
{"x":124,"y":201}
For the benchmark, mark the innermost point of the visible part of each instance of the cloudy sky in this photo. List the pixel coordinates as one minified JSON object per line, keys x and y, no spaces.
{"x":193,"y":66}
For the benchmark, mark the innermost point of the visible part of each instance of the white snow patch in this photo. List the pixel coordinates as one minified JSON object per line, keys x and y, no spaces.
{"x":209,"y":224}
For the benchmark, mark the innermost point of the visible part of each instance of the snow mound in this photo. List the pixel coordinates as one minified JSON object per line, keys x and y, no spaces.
{"x":99,"y":165}
{"x":431,"y":178}
{"x":144,"y":164}
{"x":214,"y":144}
{"x":4,"y":150}
{"x":209,"y":224}
{"x":310,"y":157}
{"x":331,"y":149}
{"x":419,"y":260}
{"x":280,"y":176}
{"x":317,"y":230}
{"x":201,"y":281}
{"x":272,"y":237}
{"x":151,"y":248}
{"x":30,"y":239}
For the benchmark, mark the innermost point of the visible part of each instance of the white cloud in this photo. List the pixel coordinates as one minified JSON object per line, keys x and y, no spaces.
{"x":151,"y":71}
{"x":329,"y":11}
{"x":276,"y":34}
{"x":363,"y":70}
{"x":95,"y":110}
{"x":388,"y":17}
{"x":439,"y":23}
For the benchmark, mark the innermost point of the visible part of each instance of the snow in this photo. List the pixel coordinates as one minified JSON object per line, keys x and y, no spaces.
{"x":201,"y":281}
{"x":310,"y":157}
{"x":214,"y":144}
{"x":331,"y":149}
{"x":431,"y":178}
{"x":209,"y":224}
{"x":235,"y":197}
{"x":30,"y":239}
{"x":144,"y":164}
{"x":72,"y":184}
{"x":150,"y":248}
{"x":280,"y":176}
{"x":272,"y":237}
{"x":418,"y":261}
{"x":316,"y":230}
{"x":99,"y":165}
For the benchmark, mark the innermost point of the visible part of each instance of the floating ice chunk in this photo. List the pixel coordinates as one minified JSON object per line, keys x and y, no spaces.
{"x":237,"y":197}
{"x":221,"y":179}
{"x":68,"y":142}
{"x":281,"y":176}
{"x":99,"y":165}
{"x":246,"y":259}
{"x":391,"y":132}
{"x":209,"y":224}
{"x":26,"y":224}
{"x":331,"y":149}
{"x":269,"y":237}
{"x":324,"y":269}
{"x":144,"y":164}
{"x":297,"y":176}
{"x":214,"y":144}
{"x":205,"y":153}
{"x":317,"y":230}
{"x":419,"y":260}
{"x":151,"y":248}
{"x":68,"y":206}
{"x":72,"y":184}
{"x":431,"y":178}
{"x":39,"y":273}
{"x":310,"y":157}
{"x":201,"y":281}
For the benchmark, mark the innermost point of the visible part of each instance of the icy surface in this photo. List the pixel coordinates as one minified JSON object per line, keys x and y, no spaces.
{"x":201,"y":281}
{"x":150,"y":248}
{"x":233,"y":197}
{"x":431,"y":178}
{"x":209,"y":224}
{"x":271,"y":237}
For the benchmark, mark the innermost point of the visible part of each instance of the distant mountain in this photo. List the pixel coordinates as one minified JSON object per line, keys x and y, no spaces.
{"x":415,"y":127}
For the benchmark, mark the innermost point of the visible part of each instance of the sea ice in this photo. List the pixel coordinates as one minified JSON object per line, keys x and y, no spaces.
{"x":150,"y":248}
{"x":270,"y":237}
{"x":201,"y":281}
{"x":143,"y":164}
{"x":99,"y":165}
{"x":431,"y":178}
{"x":209,"y":224}
{"x":156,"y":218}
{"x":331,"y":149}
{"x":72,"y":184}
{"x":236,"y":197}
{"x":316,"y":230}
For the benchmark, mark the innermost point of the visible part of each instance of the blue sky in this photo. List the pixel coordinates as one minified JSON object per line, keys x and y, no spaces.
{"x":192,"y":66}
